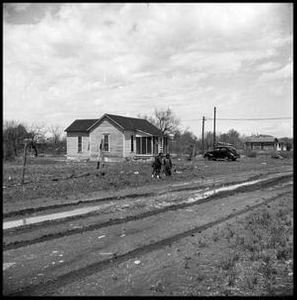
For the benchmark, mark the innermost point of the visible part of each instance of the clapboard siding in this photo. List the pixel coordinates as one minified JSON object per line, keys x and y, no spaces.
{"x":127,"y":143}
{"x":116,"y":140}
{"x":72,"y":144}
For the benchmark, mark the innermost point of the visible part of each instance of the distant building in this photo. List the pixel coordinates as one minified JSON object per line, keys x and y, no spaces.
{"x":264,"y":143}
{"x":123,"y":137}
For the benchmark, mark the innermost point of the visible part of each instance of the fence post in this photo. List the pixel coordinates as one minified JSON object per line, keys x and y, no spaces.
{"x":24,"y":160}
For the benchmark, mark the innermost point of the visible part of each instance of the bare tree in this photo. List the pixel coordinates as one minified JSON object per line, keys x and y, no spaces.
{"x":56,"y":132}
{"x":165,"y":120}
{"x":36,"y":134}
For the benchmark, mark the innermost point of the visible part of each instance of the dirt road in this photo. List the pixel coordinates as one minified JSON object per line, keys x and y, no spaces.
{"x":122,"y":244}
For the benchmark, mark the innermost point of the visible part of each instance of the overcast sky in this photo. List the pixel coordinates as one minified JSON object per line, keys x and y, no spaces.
{"x":72,"y":61}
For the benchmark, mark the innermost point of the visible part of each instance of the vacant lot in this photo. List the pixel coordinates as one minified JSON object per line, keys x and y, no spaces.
{"x":234,"y":243}
{"x":52,"y":179}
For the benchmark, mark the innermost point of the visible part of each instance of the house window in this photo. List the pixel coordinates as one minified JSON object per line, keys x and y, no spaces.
{"x":132,"y":143}
{"x":106,"y":138}
{"x":149,"y":145}
{"x":143,"y":145}
{"x":79,"y":145}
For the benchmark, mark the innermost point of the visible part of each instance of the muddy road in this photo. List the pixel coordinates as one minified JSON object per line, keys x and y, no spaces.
{"x":76,"y":249}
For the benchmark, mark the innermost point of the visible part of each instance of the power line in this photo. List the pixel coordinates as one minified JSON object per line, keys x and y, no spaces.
{"x":251,"y":119}
{"x":242,"y":119}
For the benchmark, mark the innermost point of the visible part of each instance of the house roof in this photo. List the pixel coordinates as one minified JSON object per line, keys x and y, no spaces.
{"x":81,"y":125}
{"x":125,"y":123}
{"x":261,"y":139}
{"x":129,"y":123}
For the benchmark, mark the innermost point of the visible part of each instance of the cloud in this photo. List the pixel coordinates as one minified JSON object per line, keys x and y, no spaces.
{"x":78,"y":58}
{"x":269,"y":66}
{"x":284,"y":73}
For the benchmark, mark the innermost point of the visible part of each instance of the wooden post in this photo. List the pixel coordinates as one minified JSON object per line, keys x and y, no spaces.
{"x":24,"y":161}
{"x":214,"y":128}
{"x":194,"y":149}
{"x":203,"y":120}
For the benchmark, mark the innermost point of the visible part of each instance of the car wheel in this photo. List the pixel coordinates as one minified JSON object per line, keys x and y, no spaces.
{"x":226,"y":158}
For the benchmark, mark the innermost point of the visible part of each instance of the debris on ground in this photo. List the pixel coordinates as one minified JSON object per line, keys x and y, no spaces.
{"x":158,"y":287}
{"x":137,"y":262}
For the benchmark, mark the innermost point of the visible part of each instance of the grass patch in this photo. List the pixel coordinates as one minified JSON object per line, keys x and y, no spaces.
{"x":257,"y":259}
{"x":228,"y":262}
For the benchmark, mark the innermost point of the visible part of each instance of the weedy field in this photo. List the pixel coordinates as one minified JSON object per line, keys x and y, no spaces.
{"x":56,"y":178}
{"x":250,"y":256}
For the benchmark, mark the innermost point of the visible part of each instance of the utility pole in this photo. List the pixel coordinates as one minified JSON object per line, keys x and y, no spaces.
{"x":203,"y":120}
{"x":214,"y":127}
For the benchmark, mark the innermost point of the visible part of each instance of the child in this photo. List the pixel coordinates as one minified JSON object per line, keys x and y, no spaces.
{"x":167,"y":165}
{"x":157,"y":164}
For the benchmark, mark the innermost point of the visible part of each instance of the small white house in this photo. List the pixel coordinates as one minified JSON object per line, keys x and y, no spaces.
{"x":123,"y":137}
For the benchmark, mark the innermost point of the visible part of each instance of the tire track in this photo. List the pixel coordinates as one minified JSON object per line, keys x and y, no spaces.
{"x":116,"y":221}
{"x":47,"y":288}
{"x":31,"y":210}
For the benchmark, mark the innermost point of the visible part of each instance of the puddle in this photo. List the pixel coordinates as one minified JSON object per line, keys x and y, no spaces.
{"x":38,"y":219}
{"x":199,"y":181}
{"x":7,"y":265}
{"x":202,"y":194}
{"x":199,"y":195}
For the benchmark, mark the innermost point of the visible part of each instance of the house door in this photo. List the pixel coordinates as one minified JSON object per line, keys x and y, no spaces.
{"x":155,"y":145}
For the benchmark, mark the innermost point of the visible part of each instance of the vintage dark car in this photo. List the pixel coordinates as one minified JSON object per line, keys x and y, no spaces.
{"x":222,"y":152}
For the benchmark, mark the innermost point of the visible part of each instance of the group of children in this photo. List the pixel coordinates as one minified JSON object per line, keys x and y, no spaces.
{"x":158,"y":163}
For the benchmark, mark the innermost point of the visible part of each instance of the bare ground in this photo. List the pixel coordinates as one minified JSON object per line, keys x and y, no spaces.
{"x":232,"y":243}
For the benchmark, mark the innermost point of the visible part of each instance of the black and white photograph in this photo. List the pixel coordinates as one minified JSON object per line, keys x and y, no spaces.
{"x":147,"y":149}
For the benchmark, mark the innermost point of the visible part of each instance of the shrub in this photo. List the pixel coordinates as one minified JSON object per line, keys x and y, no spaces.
{"x":216,"y":236}
{"x":286,"y":154}
{"x":275,"y":154}
{"x":250,"y":279}
{"x":283,"y":253}
{"x":262,"y":219}
{"x":230,"y":233}
{"x":231,"y":277}
{"x":267,"y":270}
{"x":202,"y":244}
{"x":228,"y":262}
